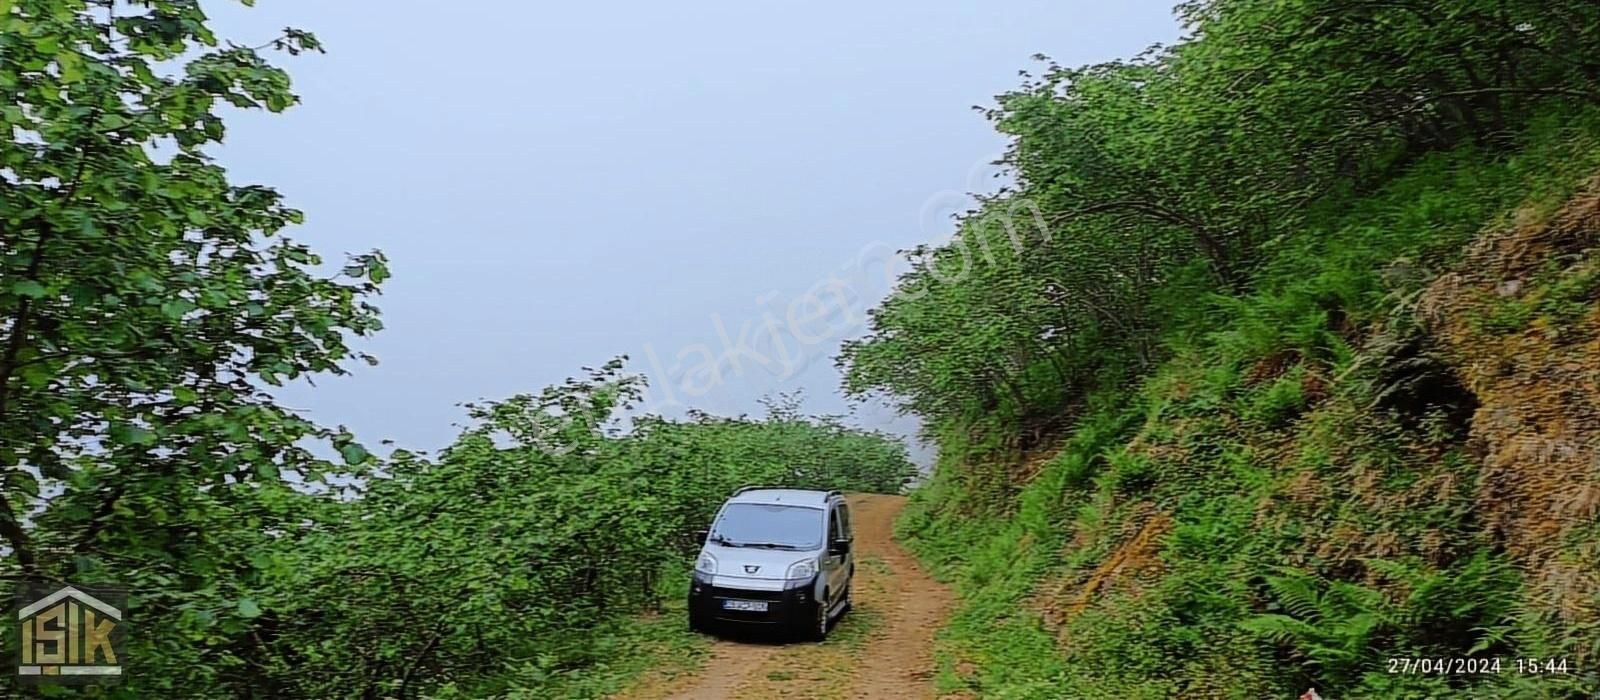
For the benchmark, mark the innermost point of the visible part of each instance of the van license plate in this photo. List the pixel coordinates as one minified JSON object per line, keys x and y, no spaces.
{"x":745,"y":605}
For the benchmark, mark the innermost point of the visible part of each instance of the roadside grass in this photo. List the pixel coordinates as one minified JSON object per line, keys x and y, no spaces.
{"x":874,"y":565}
{"x":997,"y":638}
{"x":856,"y":628}
{"x":618,"y":652}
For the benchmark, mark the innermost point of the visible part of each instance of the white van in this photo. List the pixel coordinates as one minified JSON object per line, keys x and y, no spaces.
{"x":775,"y":557}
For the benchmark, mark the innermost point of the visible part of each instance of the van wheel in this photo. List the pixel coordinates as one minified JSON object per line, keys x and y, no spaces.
{"x":849,"y":602}
{"x":819,"y":626}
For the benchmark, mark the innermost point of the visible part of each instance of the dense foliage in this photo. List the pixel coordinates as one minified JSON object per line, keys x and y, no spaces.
{"x":148,"y":305}
{"x":1198,"y":435}
{"x":1142,"y":185}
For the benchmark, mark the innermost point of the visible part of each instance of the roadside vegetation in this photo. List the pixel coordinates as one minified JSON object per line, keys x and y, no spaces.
{"x":1267,"y":369}
{"x":149,"y":305}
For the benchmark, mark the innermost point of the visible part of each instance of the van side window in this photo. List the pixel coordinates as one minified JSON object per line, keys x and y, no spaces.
{"x":844,"y":521}
{"x":836,"y":524}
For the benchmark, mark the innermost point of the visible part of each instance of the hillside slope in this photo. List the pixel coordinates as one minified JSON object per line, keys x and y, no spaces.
{"x":1274,"y":367}
{"x":1261,"y":517}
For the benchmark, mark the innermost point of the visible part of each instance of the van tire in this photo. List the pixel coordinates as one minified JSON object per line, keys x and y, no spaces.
{"x":818,"y":631}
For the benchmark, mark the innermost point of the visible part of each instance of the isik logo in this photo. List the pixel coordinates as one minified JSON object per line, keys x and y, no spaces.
{"x":69,"y":636}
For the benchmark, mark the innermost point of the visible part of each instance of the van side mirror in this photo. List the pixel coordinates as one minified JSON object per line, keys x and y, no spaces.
{"x":839,"y":547}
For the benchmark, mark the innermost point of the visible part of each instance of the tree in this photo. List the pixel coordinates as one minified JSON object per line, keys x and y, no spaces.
{"x":146,"y":303}
{"x":1195,"y":157}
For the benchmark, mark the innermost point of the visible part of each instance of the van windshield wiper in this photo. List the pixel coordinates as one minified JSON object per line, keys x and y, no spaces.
{"x":724,"y":541}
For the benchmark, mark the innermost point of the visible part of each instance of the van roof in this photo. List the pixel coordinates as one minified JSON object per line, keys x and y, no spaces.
{"x":795,"y":497}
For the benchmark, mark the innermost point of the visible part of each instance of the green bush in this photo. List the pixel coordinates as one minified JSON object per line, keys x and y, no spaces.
{"x":540,"y":521}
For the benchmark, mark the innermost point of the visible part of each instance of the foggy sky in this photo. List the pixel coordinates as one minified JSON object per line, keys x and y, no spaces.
{"x":713,"y":188}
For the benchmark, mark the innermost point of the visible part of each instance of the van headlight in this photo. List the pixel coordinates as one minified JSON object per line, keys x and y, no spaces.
{"x":706,"y":564}
{"x":802,"y":569}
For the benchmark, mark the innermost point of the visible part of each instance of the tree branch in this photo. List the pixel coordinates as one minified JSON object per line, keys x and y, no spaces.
{"x":9,"y":526}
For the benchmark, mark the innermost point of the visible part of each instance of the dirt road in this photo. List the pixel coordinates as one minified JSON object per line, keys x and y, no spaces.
{"x":881,"y":650}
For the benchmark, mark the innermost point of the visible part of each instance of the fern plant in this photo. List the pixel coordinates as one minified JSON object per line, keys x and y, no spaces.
{"x":1467,"y":609}
{"x":1344,"y":629}
{"x":1333,"y":624}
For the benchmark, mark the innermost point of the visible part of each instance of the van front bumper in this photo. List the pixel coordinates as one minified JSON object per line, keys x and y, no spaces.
{"x":789,"y":603}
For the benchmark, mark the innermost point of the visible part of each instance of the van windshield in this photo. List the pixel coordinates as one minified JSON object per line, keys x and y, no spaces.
{"x":765,"y":525}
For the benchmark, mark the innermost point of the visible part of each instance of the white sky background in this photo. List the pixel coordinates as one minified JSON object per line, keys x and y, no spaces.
{"x":559,"y":184}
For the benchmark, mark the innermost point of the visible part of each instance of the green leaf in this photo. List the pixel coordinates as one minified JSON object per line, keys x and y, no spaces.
{"x":28,"y":288}
{"x":112,"y":122}
{"x":177,"y":308}
{"x":132,"y":435}
{"x":354,"y":453}
{"x":37,"y":375}
{"x":71,"y":66}
{"x":23,"y":482}
{"x":248,"y":608}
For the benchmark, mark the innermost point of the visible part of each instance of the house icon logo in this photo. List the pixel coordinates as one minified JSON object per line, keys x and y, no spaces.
{"x":69,"y":635}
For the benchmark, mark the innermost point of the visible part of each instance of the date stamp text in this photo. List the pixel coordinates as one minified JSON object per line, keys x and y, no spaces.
{"x":1476,"y":665}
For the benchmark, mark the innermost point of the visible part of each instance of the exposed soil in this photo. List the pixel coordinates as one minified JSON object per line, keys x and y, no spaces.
{"x":882,"y":650}
{"x":1537,"y":381}
{"x":1134,"y":557}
